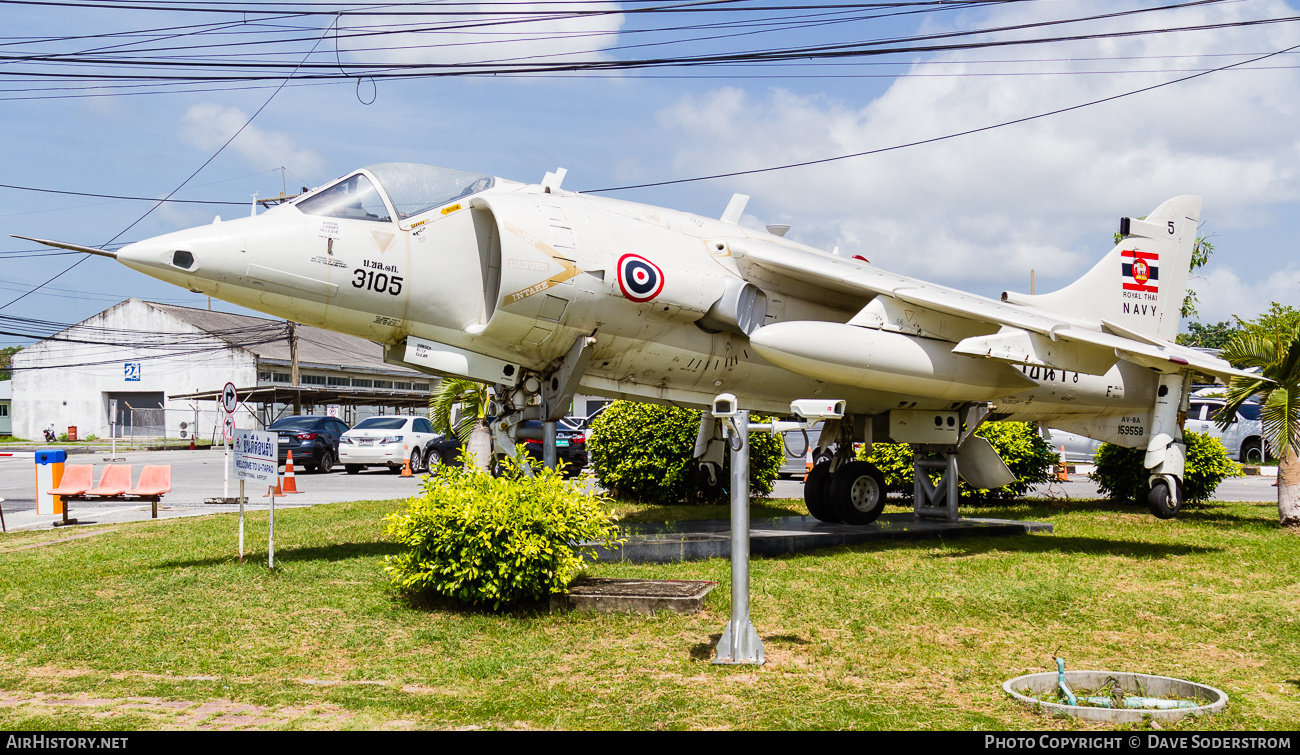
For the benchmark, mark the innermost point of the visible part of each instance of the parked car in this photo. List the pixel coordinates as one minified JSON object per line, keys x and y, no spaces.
{"x":314,"y":440}
{"x":443,"y":449}
{"x":793,"y":442}
{"x":570,"y":445}
{"x":386,"y":441}
{"x":1244,"y":437}
{"x":1079,"y":449}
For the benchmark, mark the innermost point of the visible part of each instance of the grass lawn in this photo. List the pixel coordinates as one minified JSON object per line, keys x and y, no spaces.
{"x":156,"y":625}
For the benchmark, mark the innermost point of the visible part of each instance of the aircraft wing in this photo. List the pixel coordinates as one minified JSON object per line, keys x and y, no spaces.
{"x":1026,"y":336}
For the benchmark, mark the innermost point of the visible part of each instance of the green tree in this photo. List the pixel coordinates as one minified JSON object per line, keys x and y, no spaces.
{"x":6,"y":360}
{"x":1277,"y":355}
{"x":460,"y":406}
{"x":1278,"y":325}
{"x":1214,"y":336}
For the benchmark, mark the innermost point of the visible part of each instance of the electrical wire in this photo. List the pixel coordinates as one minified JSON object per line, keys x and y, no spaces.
{"x":945,"y":137}
{"x":173,"y":191}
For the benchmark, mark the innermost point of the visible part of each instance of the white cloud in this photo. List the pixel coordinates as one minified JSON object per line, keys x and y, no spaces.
{"x":980,"y":211}
{"x":208,"y":125}
{"x":1222,"y":293}
{"x":530,"y":31}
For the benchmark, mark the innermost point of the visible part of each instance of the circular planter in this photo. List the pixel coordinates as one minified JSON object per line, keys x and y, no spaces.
{"x":1031,"y":690}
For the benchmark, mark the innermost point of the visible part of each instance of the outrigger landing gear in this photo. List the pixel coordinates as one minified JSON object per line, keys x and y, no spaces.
{"x":1166,"y":453}
{"x":1164,"y":502}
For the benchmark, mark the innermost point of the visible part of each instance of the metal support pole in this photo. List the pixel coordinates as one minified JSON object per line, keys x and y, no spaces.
{"x":270,"y":537}
{"x":740,"y":643}
{"x":241,"y":520}
{"x":550,"y":457}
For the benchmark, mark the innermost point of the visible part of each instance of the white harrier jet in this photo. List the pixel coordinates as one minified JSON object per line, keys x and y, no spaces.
{"x":542,"y":292}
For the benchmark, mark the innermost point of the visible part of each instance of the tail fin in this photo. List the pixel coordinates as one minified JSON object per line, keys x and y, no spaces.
{"x":1139,"y":287}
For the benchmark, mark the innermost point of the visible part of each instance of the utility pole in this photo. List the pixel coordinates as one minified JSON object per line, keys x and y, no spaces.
{"x":293,"y":368}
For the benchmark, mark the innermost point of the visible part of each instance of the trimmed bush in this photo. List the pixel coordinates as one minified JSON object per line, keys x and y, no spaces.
{"x":498,"y":540}
{"x":643,"y":452}
{"x":1019,"y":444}
{"x":1120,"y":475}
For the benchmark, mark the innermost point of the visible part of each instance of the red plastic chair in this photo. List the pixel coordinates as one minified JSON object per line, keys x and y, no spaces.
{"x":116,"y":480}
{"x":155,"y":479}
{"x":77,"y":479}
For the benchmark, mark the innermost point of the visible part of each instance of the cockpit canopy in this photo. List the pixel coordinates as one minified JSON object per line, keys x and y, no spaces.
{"x":411,"y":189}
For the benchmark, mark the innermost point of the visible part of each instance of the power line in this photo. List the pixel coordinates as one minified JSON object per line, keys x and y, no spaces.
{"x":945,"y":137}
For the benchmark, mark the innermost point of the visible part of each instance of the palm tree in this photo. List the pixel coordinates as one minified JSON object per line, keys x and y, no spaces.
{"x":1278,"y":385}
{"x":471,"y":424}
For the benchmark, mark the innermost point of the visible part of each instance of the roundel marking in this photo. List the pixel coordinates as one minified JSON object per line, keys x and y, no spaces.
{"x":639,"y":278}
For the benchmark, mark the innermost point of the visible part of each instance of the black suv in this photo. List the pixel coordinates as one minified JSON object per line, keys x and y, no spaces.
{"x":313,"y":440}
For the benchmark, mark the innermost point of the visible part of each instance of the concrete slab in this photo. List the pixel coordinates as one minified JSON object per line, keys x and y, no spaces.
{"x":711,"y":538}
{"x":646,"y":596}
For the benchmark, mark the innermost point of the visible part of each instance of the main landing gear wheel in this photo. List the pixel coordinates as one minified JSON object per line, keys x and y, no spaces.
{"x":857,"y":493}
{"x":816,"y":492}
{"x":1163,"y":502}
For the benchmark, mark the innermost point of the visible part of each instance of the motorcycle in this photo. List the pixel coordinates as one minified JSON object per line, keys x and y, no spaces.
{"x":50,"y":437}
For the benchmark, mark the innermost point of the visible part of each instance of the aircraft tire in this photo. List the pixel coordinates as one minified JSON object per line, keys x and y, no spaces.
{"x":857,"y":493}
{"x":1162,"y":503}
{"x":816,"y":493}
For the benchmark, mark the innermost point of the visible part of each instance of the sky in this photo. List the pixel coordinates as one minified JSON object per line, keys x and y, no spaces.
{"x":977,"y":211}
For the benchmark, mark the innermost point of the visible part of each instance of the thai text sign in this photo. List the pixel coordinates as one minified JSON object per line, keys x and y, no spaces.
{"x":256,"y":456}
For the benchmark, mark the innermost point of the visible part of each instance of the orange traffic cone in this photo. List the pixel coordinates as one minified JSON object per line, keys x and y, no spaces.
{"x":274,"y":490}
{"x":289,"y":485}
{"x":406,"y":465}
{"x":1062,"y":473}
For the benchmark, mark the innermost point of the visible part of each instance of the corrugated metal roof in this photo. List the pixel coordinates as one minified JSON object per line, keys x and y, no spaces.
{"x":315,"y":345}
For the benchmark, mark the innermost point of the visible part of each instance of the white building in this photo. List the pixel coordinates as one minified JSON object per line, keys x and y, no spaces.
{"x":161,"y":366}
{"x":6,"y":394}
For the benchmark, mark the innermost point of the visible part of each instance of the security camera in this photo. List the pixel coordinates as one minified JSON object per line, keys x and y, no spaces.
{"x":818,"y":409}
{"x":724,"y":405}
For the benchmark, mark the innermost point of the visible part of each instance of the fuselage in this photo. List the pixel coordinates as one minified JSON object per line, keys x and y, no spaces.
{"x":409,"y":255}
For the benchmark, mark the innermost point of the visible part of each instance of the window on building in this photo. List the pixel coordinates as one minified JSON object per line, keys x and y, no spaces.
{"x":264,"y":375}
{"x":4,"y":410}
{"x":313,"y":380}
{"x":337,"y":380}
{"x":420,"y":386}
{"x":279,"y":377}
{"x":361,"y":382}
{"x":383,"y":384}
{"x":399,"y":385}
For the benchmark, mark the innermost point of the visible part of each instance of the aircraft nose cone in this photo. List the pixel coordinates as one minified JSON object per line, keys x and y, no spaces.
{"x":155,"y":252}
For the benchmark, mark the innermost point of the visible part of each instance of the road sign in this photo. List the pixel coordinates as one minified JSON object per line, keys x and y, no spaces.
{"x":257,"y":456}
{"x":229,"y":401}
{"x":333,"y":410}
{"x":228,"y":428}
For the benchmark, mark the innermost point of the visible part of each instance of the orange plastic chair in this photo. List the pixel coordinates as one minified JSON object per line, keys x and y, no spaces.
{"x":77,"y":479}
{"x":116,"y":480}
{"x":155,"y":479}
